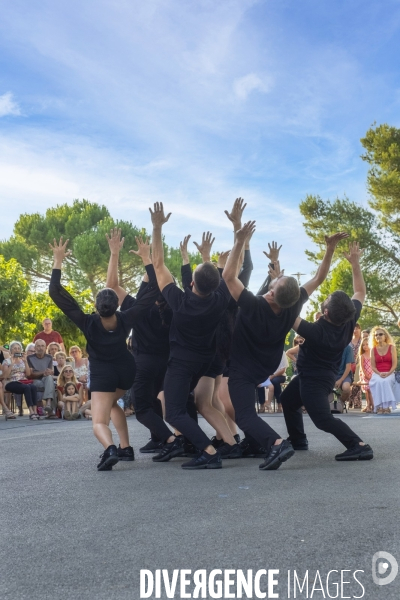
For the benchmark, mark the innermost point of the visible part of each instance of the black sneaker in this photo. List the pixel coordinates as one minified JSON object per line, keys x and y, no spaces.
{"x":277,"y":455}
{"x":109,"y":458}
{"x":151,"y":447}
{"x":249,"y":451}
{"x":203,"y":460}
{"x":228,"y":451}
{"x":216,"y":442}
{"x":356,"y":452}
{"x":126,"y":454}
{"x":237,"y":438}
{"x":171,"y":450}
{"x":189,"y":450}
{"x":299,"y":445}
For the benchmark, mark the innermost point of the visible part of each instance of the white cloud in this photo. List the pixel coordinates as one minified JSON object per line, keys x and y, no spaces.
{"x":8,"y":106}
{"x":249,"y":83}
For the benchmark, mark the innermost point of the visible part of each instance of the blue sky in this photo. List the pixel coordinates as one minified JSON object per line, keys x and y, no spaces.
{"x":194,"y":103}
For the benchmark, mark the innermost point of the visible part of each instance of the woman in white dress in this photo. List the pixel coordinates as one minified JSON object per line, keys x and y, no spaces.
{"x":383,"y":365}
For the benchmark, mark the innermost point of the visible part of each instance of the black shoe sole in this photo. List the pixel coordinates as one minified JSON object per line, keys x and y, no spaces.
{"x":275,"y":464}
{"x":173,"y":454}
{"x":365,"y":456}
{"x":108,"y":464}
{"x":126,"y":458}
{"x":153,"y":451}
{"x":210,"y":466}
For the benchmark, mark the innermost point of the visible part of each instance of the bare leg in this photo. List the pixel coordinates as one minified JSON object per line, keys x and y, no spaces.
{"x":203,"y":397}
{"x":345,"y":391}
{"x":223,"y":395}
{"x":102,"y":405}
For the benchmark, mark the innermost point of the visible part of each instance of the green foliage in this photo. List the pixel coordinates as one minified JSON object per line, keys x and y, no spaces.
{"x":13,"y":290}
{"x":37,"y":306}
{"x":380,"y":263}
{"x":382,"y":145}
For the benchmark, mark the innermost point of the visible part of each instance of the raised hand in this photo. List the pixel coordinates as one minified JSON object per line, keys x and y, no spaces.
{"x":115,"y":241}
{"x":205,"y":247}
{"x":354,"y":253}
{"x":333,"y":240}
{"x":275,"y":272}
{"x":235,"y":216}
{"x":273,"y":253}
{"x":222,"y":258}
{"x":183,"y":248}
{"x":158,"y":217}
{"x":143,"y":249}
{"x":59,"y":252}
{"x":246,"y":232}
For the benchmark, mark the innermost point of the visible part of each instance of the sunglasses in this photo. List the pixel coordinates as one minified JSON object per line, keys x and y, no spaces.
{"x":378,"y":334}
{"x":68,"y":371}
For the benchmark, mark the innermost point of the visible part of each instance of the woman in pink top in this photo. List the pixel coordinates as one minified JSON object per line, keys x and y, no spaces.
{"x":364,"y":360}
{"x":383,"y":365}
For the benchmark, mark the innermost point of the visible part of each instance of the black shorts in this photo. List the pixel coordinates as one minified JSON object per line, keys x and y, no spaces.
{"x":109,"y":376}
{"x":216,"y":368}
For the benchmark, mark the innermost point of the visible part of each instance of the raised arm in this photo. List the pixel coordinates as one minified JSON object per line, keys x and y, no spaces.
{"x":234,"y":284}
{"x":158,"y":219}
{"x":58,"y":293}
{"x":205,"y":247}
{"x":273,"y":256}
{"x":323,"y":269}
{"x":353,"y":256}
{"x":235,"y":216}
{"x":186,"y":270}
{"x":115,"y":243}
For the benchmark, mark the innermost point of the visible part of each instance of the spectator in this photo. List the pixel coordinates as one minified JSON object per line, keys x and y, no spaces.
{"x":81,"y":365}
{"x":42,"y":371}
{"x":383,"y":365}
{"x":30,"y":349}
{"x":355,"y":399}
{"x":48,"y":335}
{"x":71,"y":399}
{"x":53,"y":348}
{"x":365,"y":333}
{"x":273,"y":386}
{"x":67,"y":375}
{"x":345,"y":374}
{"x":293,"y":352}
{"x":366,"y":374}
{"x":61,"y":361}
{"x":17,"y":370}
{"x":6,"y":411}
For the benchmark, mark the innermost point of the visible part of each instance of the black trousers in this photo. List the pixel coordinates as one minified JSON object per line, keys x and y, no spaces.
{"x":149,"y":381}
{"x":27,"y":389}
{"x":276,"y":382}
{"x":242,"y":392}
{"x":312,"y":393}
{"x":181,"y":378}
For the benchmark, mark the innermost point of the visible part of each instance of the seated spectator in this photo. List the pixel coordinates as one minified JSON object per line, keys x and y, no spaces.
{"x":6,"y":411}
{"x":61,"y":361}
{"x":48,"y":335}
{"x":70,"y":398}
{"x":365,"y":333}
{"x":364,"y":355}
{"x":30,"y":349}
{"x":345,"y":375}
{"x":273,"y":385}
{"x":53,"y":348}
{"x":17,"y":370}
{"x":42,"y":370}
{"x":81,"y":366}
{"x":293,"y":352}
{"x":383,"y":364}
{"x":67,"y":375}
{"x":355,"y":399}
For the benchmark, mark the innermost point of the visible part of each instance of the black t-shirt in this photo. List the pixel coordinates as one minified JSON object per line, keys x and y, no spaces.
{"x":195,"y":321}
{"x":151,"y":332}
{"x":259,"y":335}
{"x":103,"y":345}
{"x":322,"y":351}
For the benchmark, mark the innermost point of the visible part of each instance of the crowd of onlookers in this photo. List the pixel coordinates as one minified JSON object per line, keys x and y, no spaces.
{"x":368,"y":368}
{"x":55,"y":385}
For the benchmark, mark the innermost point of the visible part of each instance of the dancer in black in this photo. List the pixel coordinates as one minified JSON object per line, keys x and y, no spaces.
{"x":112,"y":366}
{"x":150,"y":344}
{"x":318,"y":364}
{"x":258,"y":341}
{"x":196,"y":315}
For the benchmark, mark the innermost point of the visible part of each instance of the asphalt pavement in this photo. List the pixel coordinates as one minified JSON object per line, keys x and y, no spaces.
{"x":68,"y":532}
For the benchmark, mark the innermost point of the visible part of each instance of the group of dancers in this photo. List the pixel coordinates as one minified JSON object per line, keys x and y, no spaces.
{"x":207,"y":347}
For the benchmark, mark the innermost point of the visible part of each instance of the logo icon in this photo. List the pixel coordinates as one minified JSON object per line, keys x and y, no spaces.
{"x":381,"y":561}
